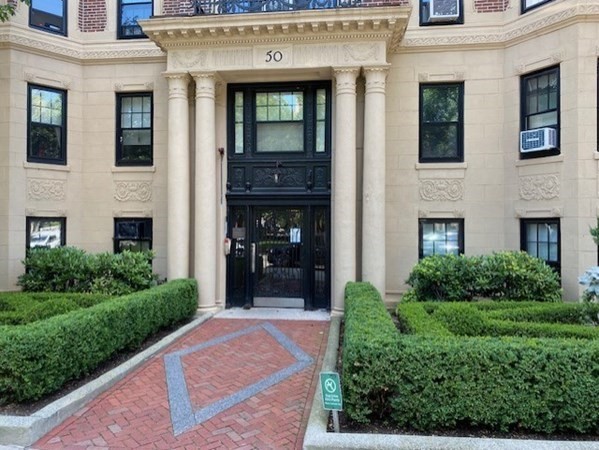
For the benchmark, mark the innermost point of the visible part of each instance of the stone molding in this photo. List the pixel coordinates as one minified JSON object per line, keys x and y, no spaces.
{"x":522,"y":213}
{"x":446,"y":76}
{"x":440,"y":214}
{"x":134,"y":87}
{"x":139,"y":191}
{"x":442,"y":190}
{"x":44,"y":189}
{"x":539,"y":187}
{"x":132,"y":213}
{"x":52,"y":80}
{"x":523,"y":28}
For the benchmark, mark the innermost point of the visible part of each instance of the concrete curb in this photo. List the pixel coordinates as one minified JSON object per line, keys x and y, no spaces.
{"x":25,"y":430}
{"x":317,"y":437}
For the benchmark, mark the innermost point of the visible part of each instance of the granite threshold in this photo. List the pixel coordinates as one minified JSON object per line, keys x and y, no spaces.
{"x":318,"y":438}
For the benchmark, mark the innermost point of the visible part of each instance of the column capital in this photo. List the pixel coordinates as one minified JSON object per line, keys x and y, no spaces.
{"x":177,"y":84}
{"x":346,"y":79}
{"x":205,"y":84}
{"x":375,"y":78}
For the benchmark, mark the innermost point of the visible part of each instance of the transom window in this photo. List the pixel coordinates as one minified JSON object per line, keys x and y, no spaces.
{"x":286,"y":119}
{"x":540,"y":104}
{"x":280,"y":121}
{"x":441,"y":237}
{"x":49,"y":15}
{"x":132,"y":234}
{"x":46,"y":125}
{"x":130,"y":11}
{"x":134,"y":130}
{"x":441,"y":122}
{"x":45,"y":232}
{"x":527,"y":5}
{"x":541,"y":238}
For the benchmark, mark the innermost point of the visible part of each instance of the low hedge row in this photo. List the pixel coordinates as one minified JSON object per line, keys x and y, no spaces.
{"x":369,"y":341}
{"x":437,"y":381}
{"x":19,"y":308}
{"x":38,"y":358}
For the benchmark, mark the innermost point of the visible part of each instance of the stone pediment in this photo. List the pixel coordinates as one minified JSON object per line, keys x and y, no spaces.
{"x":340,"y":26}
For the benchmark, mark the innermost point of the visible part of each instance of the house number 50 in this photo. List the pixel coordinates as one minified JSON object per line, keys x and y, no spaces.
{"x":275,"y":56}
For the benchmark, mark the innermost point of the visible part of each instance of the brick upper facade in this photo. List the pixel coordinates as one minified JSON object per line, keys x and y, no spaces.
{"x":92,"y":15}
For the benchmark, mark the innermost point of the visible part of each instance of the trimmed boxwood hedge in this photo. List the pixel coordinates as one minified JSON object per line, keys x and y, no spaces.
{"x":38,"y":358}
{"x":435,"y":380}
{"x":19,"y":308}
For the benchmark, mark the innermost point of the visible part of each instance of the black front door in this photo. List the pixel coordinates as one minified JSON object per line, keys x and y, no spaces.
{"x":279,"y":257}
{"x":278,"y":194}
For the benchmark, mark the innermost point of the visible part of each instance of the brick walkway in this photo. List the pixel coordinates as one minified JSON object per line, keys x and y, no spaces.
{"x":229,"y":384}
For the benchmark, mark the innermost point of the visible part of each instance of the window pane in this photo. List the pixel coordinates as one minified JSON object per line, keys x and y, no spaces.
{"x":261,"y":114}
{"x":548,"y":119}
{"x":126,"y":104}
{"x":48,"y":14}
{"x":280,"y":137}
{"x":552,"y":252}
{"x":136,"y":120}
{"x":320,"y":137}
{"x":131,"y":12}
{"x":146,"y":121}
{"x":136,"y":146}
{"x":239,"y":138}
{"x":45,"y":141}
{"x":543,"y":251}
{"x":440,"y":104}
{"x":126,"y":120}
{"x":531,"y":232}
{"x":136,"y":103}
{"x":147,"y":105}
{"x":47,"y":233}
{"x":543,"y":235}
{"x":439,"y":141}
{"x":428,"y":248}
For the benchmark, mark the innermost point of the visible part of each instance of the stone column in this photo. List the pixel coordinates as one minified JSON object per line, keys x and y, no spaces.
{"x":205,"y":189}
{"x":344,"y":185}
{"x":178,"y":177}
{"x":373,"y":187}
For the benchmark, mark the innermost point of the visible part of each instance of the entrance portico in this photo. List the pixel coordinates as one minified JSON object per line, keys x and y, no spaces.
{"x":339,"y":45}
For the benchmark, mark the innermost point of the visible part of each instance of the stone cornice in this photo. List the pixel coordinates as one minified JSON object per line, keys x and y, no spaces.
{"x":15,"y":36}
{"x":345,"y":25}
{"x":551,"y":17}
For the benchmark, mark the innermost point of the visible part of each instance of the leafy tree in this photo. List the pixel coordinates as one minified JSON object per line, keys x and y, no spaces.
{"x":8,"y":10}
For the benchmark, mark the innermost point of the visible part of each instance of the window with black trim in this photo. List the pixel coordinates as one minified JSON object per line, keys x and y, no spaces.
{"x":129,"y":12}
{"x":132,"y":234}
{"x":46,"y":125}
{"x":441,"y":12}
{"x":441,"y":122}
{"x":440,"y":237}
{"x":49,"y":15}
{"x":540,"y":108}
{"x":134,"y":130}
{"x":45,"y":232}
{"x":285,"y":119}
{"x":527,"y":5}
{"x":541,"y":238}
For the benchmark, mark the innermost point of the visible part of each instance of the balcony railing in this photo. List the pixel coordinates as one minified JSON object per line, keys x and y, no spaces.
{"x":255,"y":6}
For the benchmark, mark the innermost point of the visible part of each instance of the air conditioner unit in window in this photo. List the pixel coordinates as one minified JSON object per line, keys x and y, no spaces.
{"x":444,"y":10}
{"x":537,"y":140}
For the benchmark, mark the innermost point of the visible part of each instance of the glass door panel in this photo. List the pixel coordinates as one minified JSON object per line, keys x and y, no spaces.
{"x":279,"y":257}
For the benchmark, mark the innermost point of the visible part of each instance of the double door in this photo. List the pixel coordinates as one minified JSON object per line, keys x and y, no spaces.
{"x":279,"y":256}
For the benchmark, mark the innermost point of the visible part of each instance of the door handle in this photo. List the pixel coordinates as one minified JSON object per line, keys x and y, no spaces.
{"x":253,"y":257}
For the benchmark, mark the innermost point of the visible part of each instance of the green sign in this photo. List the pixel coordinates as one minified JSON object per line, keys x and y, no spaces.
{"x":331,"y":391}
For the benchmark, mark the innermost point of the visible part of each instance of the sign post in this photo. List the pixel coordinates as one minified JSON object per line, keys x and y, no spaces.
{"x":332,"y":400}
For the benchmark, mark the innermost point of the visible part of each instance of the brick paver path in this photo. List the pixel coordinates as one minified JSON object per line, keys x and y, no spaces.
{"x":248,"y":384}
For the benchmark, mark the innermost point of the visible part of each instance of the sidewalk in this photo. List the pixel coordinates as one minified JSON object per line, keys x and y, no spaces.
{"x":230,"y":383}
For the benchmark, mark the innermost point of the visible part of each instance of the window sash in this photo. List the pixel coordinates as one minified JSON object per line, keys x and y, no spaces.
{"x":46,"y":136}
{"x":132,"y":234}
{"x":134,"y":130}
{"x":48,"y":15}
{"x":441,"y":237}
{"x":130,"y":11}
{"x":45,"y":232}
{"x":441,"y":122}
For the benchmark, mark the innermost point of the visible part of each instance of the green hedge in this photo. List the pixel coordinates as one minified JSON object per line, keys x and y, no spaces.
{"x":437,"y":381}
{"x":19,"y":308}
{"x":38,"y":358}
{"x":369,"y":340}
{"x":500,"y":276}
{"x":70,"y":269}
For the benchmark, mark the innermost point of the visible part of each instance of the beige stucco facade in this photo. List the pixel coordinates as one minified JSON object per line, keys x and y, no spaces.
{"x":376,"y":58}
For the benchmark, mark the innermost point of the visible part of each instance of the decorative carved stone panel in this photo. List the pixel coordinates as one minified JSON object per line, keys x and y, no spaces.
{"x":42,"y":189}
{"x":442,"y":190}
{"x":283,"y":177}
{"x":539,"y":187}
{"x":139,"y":191}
